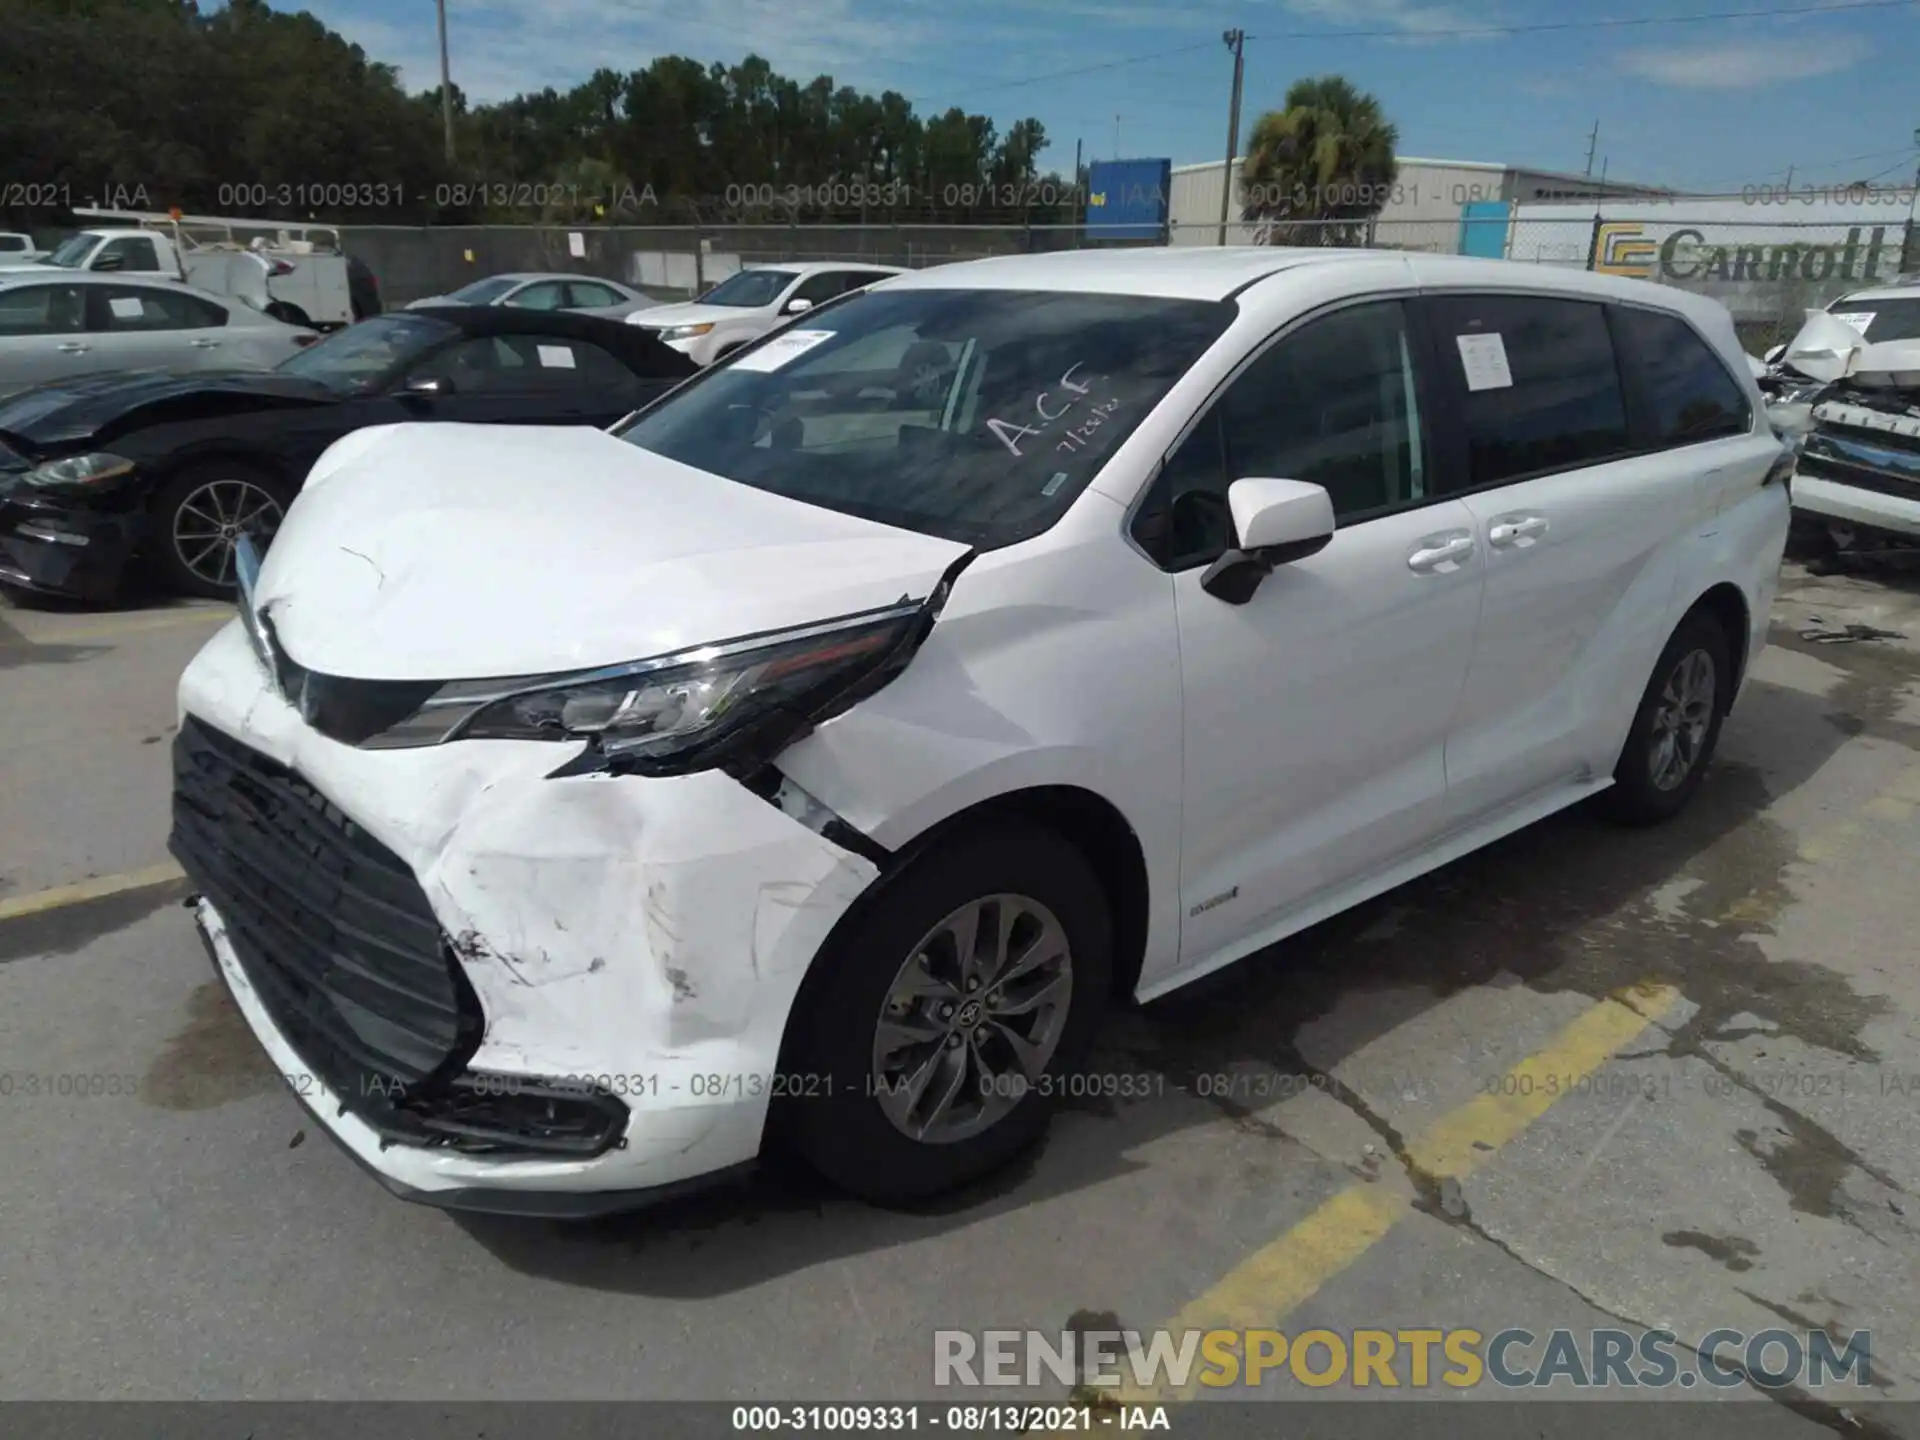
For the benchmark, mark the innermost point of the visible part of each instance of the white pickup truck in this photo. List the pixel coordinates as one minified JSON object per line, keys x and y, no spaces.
{"x":301,"y":281}
{"x":18,"y":248}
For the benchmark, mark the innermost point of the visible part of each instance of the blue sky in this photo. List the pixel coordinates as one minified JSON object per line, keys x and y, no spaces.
{"x":1715,"y":104}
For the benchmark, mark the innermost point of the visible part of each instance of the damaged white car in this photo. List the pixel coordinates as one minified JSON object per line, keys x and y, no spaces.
{"x":810,"y":760}
{"x":1858,"y":413}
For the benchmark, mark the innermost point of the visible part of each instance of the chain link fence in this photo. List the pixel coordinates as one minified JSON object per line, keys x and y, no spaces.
{"x":1767,"y":271}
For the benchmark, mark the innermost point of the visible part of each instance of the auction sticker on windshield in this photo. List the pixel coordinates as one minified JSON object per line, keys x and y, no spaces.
{"x":1858,"y":319}
{"x":782,"y":350}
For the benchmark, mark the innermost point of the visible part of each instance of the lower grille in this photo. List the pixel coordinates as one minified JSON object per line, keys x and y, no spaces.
{"x":332,"y":928}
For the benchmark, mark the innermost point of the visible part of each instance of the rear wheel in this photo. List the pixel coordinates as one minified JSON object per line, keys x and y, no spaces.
{"x":202,"y":512}
{"x":948,"y":1019}
{"x":1677,"y":726}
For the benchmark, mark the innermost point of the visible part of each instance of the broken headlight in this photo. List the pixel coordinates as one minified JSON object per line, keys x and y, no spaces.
{"x":687,"y":711}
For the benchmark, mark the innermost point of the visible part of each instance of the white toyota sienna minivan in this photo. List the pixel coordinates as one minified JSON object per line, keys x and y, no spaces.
{"x":810,"y":759}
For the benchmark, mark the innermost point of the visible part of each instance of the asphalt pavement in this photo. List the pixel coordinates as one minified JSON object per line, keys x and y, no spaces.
{"x":1590,"y":1078}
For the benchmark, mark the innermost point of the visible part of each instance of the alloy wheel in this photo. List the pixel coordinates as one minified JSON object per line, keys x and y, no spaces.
{"x":1681,"y":720}
{"x":211,"y":520}
{"x":972,"y":1019}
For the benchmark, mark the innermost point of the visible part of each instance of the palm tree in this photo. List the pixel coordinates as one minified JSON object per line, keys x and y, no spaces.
{"x":1326,"y":158}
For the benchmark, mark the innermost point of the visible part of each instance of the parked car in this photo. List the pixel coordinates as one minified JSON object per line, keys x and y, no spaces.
{"x":17,"y":247}
{"x":60,"y":327}
{"x":1852,"y":376}
{"x":174,"y":467}
{"x":537,"y":291}
{"x":303,"y":281}
{"x":747,"y":305}
{"x":1217,"y":591}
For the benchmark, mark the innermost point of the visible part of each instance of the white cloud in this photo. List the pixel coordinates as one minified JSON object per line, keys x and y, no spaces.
{"x":1413,"y":19}
{"x":1740,"y":64}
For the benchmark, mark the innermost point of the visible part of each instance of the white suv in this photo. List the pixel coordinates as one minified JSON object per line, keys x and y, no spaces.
{"x":748,"y":304}
{"x":813,"y":758}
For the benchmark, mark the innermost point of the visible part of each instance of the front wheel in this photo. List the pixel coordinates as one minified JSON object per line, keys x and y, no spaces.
{"x":202,"y":512}
{"x":1677,"y":725}
{"x":951,"y":1016}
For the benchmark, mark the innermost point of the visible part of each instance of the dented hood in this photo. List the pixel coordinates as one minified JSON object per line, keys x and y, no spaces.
{"x":453,"y":552}
{"x":1828,"y":348}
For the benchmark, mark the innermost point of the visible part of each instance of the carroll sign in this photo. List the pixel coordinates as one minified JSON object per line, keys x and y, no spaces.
{"x":1624,"y":248}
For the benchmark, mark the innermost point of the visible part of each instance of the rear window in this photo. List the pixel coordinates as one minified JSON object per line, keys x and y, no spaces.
{"x":1537,"y":381}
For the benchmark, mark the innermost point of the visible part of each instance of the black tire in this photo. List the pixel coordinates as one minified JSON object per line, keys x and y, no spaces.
{"x":185,"y":568}
{"x":835,"y":1120}
{"x":1638,"y":797}
{"x":288,"y":314}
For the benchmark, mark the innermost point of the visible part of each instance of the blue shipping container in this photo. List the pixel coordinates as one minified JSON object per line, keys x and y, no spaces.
{"x":1127,"y":199}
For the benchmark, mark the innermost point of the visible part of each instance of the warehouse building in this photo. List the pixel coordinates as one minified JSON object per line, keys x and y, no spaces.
{"x":1445,"y":206}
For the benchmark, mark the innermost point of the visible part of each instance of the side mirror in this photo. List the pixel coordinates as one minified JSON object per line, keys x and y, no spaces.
{"x":108,"y":262}
{"x":430,"y":385}
{"x":1275,"y":522}
{"x":797,"y":306}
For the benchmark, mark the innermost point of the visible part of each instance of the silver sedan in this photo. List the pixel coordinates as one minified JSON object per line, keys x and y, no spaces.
{"x":543,"y":290}
{"x":55,"y":326}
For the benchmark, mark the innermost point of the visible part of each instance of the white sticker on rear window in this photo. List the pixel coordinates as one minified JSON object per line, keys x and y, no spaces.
{"x":1485,"y":360}
{"x":555,"y":357}
{"x":1858,"y":319}
{"x":783,"y":350}
{"x":126,"y":307}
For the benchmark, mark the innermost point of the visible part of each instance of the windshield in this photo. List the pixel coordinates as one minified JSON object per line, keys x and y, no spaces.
{"x":1881,"y":320}
{"x":71,"y":251}
{"x":355,"y":360}
{"x":974,"y":415}
{"x":482,"y":292}
{"x":750,"y":288}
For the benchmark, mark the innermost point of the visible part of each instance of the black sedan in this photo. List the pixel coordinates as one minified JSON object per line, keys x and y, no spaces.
{"x":173,"y":468}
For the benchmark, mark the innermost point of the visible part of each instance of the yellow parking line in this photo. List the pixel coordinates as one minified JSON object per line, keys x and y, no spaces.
{"x":199,"y":615}
{"x":1283,"y":1274}
{"x":94,"y":889}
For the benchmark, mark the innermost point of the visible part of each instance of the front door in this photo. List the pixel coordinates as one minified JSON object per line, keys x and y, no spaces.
{"x":1316,"y":715}
{"x":43,"y":335}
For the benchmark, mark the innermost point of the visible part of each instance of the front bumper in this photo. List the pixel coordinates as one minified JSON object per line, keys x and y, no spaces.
{"x":1835,"y":499}
{"x":52,"y":546}
{"x":1861,"y":464}
{"x":645,"y":938}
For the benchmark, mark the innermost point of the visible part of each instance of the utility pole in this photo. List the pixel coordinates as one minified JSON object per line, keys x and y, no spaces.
{"x":446,"y":83}
{"x":1593,"y":142}
{"x":1079,"y":201}
{"x":1236,"y":41}
{"x":1116,"y":137}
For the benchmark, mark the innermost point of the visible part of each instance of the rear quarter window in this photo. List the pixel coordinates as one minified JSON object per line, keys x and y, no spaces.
{"x":1688,"y":393}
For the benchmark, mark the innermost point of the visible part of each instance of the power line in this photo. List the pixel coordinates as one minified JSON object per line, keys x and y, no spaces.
{"x":1903,"y":152}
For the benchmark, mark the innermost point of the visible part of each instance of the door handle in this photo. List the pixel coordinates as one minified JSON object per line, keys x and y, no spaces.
{"x":203,"y":344}
{"x":1442,"y":554}
{"x":72,"y":347}
{"x":1516,"y":531}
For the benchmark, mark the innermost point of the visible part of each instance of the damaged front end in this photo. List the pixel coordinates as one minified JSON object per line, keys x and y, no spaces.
{"x":1852,"y":408}
{"x":502,"y":982}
